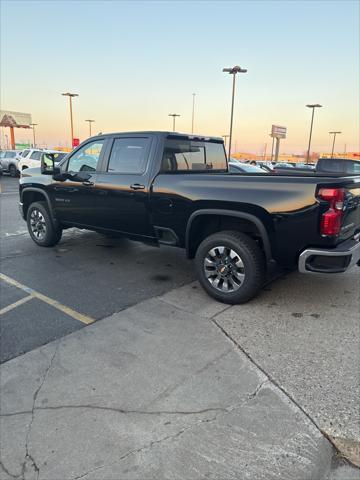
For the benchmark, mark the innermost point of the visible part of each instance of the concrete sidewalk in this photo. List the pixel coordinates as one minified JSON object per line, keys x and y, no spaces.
{"x":154,"y":392}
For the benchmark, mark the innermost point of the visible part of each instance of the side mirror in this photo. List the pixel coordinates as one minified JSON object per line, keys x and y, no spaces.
{"x":47,"y":164}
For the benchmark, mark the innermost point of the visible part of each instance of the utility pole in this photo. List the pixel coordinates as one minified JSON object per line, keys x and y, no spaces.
{"x":233,"y":71}
{"x":71,"y":95}
{"x":33,"y":125}
{"x":333,"y":145}
{"x":90,"y":122}
{"x":174,"y":115}
{"x":193,"y":113}
{"x":225,"y":137}
{"x":313,"y":106}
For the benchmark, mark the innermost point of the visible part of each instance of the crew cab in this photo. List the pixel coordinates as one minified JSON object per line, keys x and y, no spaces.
{"x":176,"y":189}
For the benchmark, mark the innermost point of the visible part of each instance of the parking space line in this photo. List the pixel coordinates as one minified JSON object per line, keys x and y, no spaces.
{"x":54,"y":303}
{"x":16,"y":304}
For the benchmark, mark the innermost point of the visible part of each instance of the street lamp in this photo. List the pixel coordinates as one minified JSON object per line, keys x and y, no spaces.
{"x":90,"y":122}
{"x":174,"y":115}
{"x":71,"y":95}
{"x":313,"y":106}
{"x":333,"y":145}
{"x":33,"y":125}
{"x":193,"y":113}
{"x":233,"y":71}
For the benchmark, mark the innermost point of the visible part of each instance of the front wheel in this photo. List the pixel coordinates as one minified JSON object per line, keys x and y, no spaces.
{"x":13,"y":171}
{"x":230,"y":266}
{"x":40,"y":225}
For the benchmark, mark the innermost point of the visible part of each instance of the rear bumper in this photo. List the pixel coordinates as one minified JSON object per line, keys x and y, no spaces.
{"x":337,"y":260}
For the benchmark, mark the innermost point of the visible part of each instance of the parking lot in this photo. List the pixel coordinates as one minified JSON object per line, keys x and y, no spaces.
{"x":48,"y":293}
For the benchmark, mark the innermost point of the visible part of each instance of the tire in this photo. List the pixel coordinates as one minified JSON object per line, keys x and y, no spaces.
{"x":12,"y":171}
{"x":40,"y":225}
{"x":230,"y":267}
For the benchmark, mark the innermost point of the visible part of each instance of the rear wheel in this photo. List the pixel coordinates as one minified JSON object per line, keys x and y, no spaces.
{"x":230,"y":266}
{"x":13,"y":171}
{"x":40,"y":225}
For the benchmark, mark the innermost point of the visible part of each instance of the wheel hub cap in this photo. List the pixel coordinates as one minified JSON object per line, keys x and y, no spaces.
{"x":224,"y":269}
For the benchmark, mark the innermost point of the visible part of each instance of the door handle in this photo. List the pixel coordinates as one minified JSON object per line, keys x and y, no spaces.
{"x":87,"y":183}
{"x":137,"y":186}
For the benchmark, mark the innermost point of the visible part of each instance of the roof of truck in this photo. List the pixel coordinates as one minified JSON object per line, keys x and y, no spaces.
{"x":162,"y":133}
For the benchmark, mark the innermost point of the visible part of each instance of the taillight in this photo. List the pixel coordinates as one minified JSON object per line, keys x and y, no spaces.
{"x":331,"y":220}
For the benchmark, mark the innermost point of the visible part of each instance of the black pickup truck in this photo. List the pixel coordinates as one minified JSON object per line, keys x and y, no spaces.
{"x":175,"y":189}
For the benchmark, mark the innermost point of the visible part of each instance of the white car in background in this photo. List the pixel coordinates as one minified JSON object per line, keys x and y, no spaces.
{"x":31,"y":158}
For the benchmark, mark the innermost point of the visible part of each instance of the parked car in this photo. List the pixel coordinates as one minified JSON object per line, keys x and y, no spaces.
{"x":31,"y":158}
{"x":175,"y":189}
{"x":342,"y":166}
{"x":9,"y":161}
{"x":267,"y":166}
{"x":240,"y":167}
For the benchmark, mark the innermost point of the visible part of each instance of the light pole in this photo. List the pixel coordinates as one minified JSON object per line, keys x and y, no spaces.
{"x":90,"y":122}
{"x":174,"y":115}
{"x":313,"y":106}
{"x":33,"y":125}
{"x":71,"y":95}
{"x":233,"y":71}
{"x":333,"y":145}
{"x":193,"y":113}
{"x":225,"y":137}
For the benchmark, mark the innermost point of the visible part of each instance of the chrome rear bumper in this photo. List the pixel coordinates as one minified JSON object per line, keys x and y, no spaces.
{"x":337,"y":260}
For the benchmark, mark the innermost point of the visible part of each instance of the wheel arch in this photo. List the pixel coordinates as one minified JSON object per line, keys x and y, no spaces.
{"x":30,"y":195}
{"x":210,"y":218}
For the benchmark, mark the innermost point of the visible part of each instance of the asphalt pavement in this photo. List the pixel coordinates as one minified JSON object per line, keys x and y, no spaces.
{"x":85,"y":278}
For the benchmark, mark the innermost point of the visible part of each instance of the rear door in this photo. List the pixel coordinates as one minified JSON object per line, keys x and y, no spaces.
{"x":122,"y":186}
{"x":74,"y":198}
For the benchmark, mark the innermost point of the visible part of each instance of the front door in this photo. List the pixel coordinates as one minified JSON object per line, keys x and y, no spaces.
{"x":123,"y":186}
{"x":74,"y":198}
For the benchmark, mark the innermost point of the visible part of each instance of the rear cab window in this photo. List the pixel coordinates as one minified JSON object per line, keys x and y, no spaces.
{"x":189,"y":156}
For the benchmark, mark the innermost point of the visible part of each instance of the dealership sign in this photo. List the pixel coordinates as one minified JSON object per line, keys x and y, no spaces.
{"x":14,"y":119}
{"x":278,"y":132}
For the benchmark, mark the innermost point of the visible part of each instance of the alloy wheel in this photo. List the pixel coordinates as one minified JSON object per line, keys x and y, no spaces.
{"x":224,"y":269}
{"x":38,"y":224}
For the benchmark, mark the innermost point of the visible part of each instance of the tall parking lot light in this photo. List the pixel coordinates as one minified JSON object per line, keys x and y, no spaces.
{"x":33,"y":125}
{"x":313,"y":106}
{"x":333,"y":145}
{"x":90,"y":122}
{"x":233,"y":71}
{"x":174,"y":115}
{"x":71,"y":95}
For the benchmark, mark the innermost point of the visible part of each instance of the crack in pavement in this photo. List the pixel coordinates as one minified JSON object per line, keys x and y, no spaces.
{"x":28,"y":456}
{"x":146,"y":447}
{"x":249,"y":396}
{"x":12,"y":475}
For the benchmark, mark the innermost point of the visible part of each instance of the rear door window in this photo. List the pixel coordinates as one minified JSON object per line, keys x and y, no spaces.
{"x":129,"y":155}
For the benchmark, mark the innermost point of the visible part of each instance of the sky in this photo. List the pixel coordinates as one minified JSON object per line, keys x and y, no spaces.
{"x":133,"y":63}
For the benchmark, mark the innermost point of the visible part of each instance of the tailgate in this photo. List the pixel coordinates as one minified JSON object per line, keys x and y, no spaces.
{"x":351,"y":218}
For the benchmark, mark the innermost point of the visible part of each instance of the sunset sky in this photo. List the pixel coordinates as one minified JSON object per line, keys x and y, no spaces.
{"x":133,"y":63}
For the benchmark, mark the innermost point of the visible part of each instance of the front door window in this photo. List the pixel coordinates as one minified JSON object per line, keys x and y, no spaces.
{"x":87,"y":158}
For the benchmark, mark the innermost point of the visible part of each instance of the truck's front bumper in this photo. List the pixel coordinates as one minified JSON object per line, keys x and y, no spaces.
{"x":337,"y":260}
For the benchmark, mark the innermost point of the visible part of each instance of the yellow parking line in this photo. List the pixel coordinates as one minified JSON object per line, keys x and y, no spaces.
{"x":15,"y":304}
{"x":54,"y":303}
